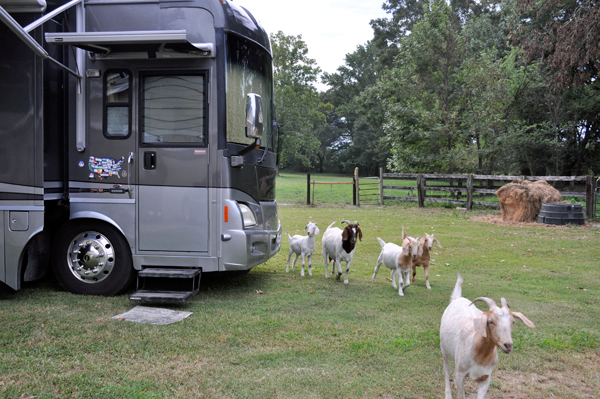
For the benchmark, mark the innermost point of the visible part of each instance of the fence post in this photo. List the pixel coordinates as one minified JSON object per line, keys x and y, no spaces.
{"x":469,"y":192}
{"x":357,"y":186}
{"x":380,"y":186}
{"x":589,"y":197}
{"x":354,"y":190}
{"x":308,"y":189}
{"x":420,"y":191}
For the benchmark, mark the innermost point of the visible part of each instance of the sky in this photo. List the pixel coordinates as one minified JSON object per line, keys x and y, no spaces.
{"x":330,"y":28}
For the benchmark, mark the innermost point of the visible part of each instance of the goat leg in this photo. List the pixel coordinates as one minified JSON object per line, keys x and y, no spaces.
{"x":347,"y":271}
{"x":326,"y":264}
{"x":400,"y":282}
{"x":448,"y":391}
{"x":482,"y":386}
{"x":287,"y":269}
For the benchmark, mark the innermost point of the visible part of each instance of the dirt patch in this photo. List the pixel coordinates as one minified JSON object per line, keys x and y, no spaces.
{"x":577,"y":378}
{"x":497,"y":219}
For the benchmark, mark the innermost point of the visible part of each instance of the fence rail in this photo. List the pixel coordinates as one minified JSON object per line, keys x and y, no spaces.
{"x":477,"y":186}
{"x":457,"y":189}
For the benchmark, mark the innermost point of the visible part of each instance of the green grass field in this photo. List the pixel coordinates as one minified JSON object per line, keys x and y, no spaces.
{"x":272,"y":334}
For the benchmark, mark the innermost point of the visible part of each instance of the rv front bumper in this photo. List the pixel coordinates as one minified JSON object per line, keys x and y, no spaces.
{"x":245,"y":249}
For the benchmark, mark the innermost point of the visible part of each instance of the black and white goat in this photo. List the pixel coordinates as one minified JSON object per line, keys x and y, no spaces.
{"x":338,"y":246}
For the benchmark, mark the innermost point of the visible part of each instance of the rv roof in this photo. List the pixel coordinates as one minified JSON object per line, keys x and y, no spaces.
{"x":23,"y":5}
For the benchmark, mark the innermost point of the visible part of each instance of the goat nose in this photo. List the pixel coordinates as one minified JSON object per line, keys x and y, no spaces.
{"x":508,"y":346}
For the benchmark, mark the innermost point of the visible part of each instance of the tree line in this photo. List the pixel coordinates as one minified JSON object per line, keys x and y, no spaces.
{"x":485,"y":87}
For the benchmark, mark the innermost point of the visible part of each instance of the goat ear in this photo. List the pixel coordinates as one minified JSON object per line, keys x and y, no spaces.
{"x":525,"y":320}
{"x":480,"y":324}
{"x":405,"y":249}
{"x":317,"y":231}
{"x":345,"y":234}
{"x":359,"y":233}
{"x":404,"y":235}
{"x":420,"y":251}
{"x":438,"y":243}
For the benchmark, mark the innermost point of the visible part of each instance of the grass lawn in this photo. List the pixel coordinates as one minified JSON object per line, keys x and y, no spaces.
{"x":272,"y":334}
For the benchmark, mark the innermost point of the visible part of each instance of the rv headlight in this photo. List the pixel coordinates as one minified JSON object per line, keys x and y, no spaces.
{"x":247,"y":215}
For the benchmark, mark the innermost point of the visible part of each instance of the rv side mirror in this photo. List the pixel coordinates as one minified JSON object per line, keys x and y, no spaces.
{"x":254,"y":116}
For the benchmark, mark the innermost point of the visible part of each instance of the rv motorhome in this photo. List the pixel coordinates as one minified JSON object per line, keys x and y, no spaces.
{"x":137,"y":138}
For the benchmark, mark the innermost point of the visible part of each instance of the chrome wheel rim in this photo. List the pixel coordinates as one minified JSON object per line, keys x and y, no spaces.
{"x":91,"y":257}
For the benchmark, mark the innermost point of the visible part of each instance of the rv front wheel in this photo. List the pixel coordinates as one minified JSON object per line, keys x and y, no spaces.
{"x":92,"y":258}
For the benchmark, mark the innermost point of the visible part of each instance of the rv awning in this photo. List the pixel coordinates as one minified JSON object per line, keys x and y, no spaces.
{"x":17,"y":6}
{"x":133,"y":44}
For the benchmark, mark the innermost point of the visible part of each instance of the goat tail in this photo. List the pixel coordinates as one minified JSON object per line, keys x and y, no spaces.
{"x":289,"y":236}
{"x":381,"y":242}
{"x":457,"y":293}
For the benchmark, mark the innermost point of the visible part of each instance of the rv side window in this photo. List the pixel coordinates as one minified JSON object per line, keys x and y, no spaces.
{"x":117,"y":104}
{"x":173,"y":109}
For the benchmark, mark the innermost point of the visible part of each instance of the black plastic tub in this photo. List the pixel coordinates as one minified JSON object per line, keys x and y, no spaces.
{"x":559,"y":214}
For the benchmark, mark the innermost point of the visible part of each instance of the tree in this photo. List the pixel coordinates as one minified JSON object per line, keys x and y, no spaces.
{"x":422,"y":93}
{"x":563,"y":34}
{"x":299,"y":110}
{"x":358,"y":115}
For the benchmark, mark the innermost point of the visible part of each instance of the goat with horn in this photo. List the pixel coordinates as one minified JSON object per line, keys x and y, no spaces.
{"x":339,"y":246}
{"x":469,"y":337}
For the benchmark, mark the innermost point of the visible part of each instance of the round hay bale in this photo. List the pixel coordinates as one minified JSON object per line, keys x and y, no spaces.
{"x":521,"y":200}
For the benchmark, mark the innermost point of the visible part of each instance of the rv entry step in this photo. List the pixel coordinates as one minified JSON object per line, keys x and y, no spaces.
{"x":166,"y":285}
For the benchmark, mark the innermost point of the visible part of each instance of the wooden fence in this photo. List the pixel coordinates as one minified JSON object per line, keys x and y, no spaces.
{"x":458,"y":189}
{"x":468,"y":190}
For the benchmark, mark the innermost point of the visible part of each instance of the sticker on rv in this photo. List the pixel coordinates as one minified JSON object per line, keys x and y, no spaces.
{"x":105,"y":167}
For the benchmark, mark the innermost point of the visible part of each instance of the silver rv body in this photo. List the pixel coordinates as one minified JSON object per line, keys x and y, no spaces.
{"x":138,"y":136}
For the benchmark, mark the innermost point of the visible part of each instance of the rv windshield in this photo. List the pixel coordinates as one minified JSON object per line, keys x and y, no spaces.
{"x":249,"y":70}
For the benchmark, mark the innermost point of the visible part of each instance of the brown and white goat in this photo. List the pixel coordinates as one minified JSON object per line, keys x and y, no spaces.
{"x":399,"y":259}
{"x":469,"y":337}
{"x":423,"y":260}
{"x":339,"y":246}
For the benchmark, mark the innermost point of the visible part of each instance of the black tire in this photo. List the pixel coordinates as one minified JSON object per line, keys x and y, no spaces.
{"x":90,"y":257}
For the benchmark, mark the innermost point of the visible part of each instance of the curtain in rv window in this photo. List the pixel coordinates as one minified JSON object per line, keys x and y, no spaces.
{"x":173,"y":109}
{"x":117,"y":105}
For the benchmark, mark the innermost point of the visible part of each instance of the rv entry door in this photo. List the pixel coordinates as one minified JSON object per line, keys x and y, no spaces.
{"x":173,"y":163}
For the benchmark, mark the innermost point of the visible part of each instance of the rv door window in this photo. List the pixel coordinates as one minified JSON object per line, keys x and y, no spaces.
{"x":117,"y":104}
{"x":173,"y":109}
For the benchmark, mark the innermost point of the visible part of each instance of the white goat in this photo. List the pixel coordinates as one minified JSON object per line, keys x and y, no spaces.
{"x":339,"y":246}
{"x":426,"y":244}
{"x":399,"y":259}
{"x":469,"y":337}
{"x":303,"y":246}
